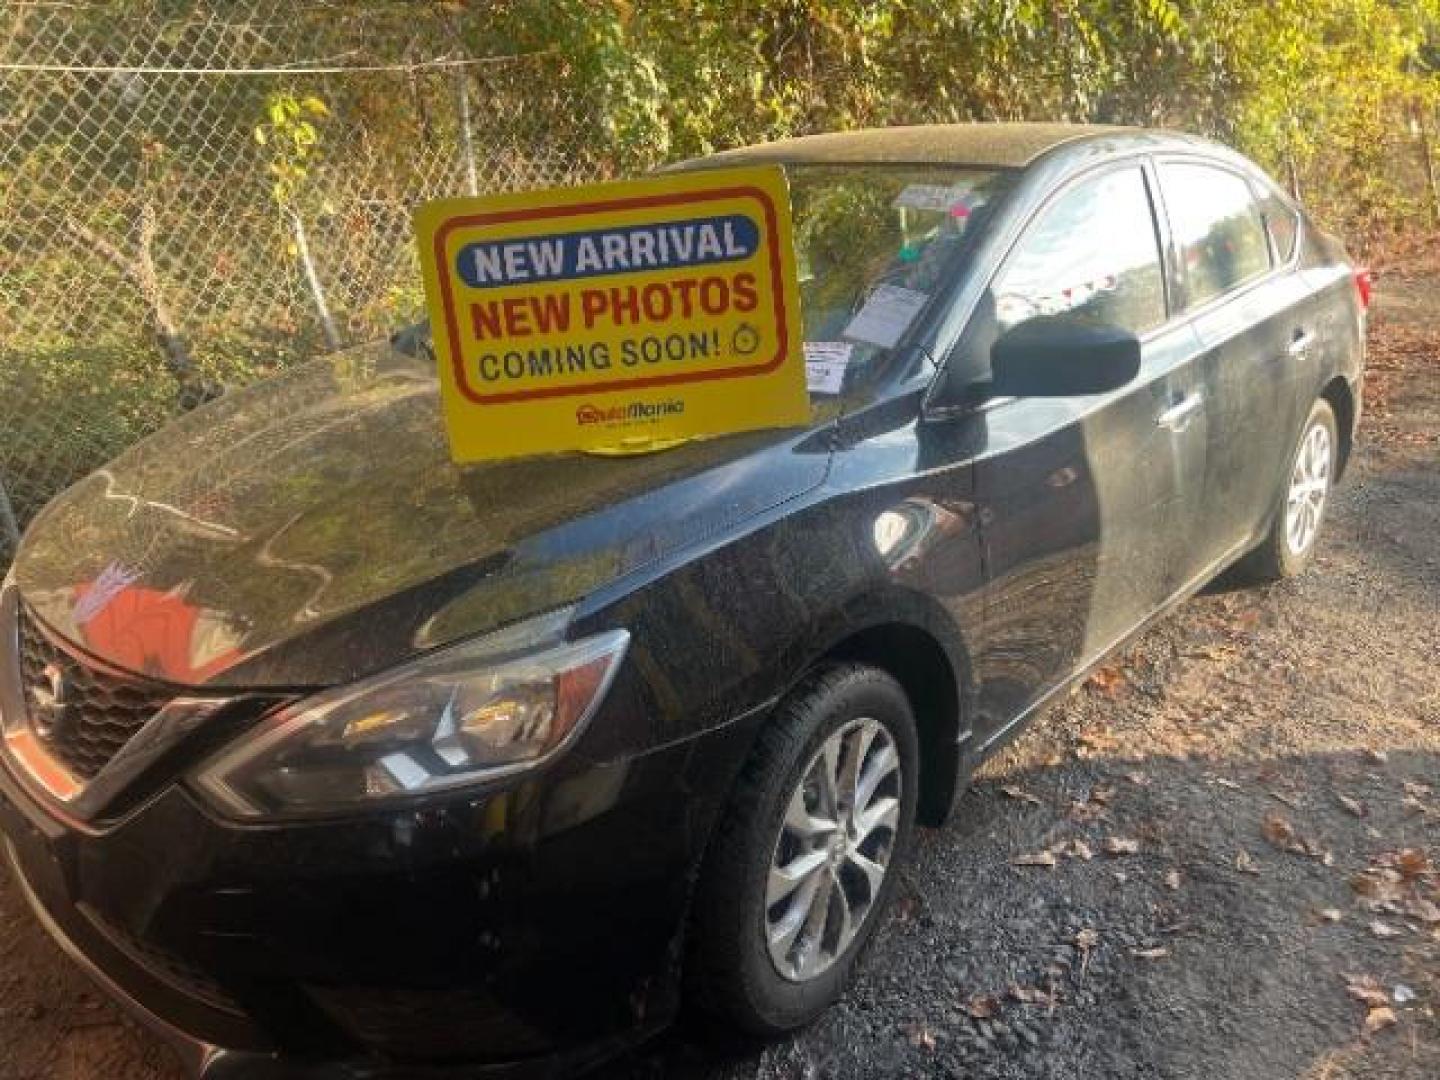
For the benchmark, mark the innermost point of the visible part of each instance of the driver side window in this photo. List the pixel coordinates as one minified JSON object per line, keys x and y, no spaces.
{"x":1093,"y":254}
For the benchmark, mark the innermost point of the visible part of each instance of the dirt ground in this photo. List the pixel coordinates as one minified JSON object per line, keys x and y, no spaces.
{"x":1217,"y":859}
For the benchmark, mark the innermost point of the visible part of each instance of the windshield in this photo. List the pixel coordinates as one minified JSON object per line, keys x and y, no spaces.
{"x":873,"y":244}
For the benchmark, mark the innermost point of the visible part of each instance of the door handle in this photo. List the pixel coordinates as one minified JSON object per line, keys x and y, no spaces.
{"x":1178,"y":416}
{"x":1302,"y":340}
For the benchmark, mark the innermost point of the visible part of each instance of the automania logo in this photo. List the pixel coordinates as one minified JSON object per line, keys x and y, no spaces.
{"x":636,"y":410}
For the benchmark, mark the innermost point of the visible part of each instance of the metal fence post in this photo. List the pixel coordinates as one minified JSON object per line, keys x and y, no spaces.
{"x":467,"y":135}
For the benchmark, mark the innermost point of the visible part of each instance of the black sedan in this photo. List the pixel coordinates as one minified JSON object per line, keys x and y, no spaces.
{"x":323,"y":753}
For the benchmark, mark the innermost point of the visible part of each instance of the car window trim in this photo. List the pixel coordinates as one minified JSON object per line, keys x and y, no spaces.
{"x":1188,"y":312}
{"x":1140,"y":159}
{"x":1266,"y":189}
{"x":1169,"y":253}
{"x":1137,"y":162}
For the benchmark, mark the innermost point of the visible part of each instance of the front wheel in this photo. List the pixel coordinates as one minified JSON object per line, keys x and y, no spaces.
{"x":806,"y":859}
{"x":1300,"y":507}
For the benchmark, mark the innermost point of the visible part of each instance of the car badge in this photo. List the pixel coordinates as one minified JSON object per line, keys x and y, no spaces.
{"x":54,"y":703}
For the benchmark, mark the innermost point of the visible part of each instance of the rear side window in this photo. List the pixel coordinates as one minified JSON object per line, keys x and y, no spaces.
{"x":1217,"y":227}
{"x":1092,"y":254}
{"x":1282,"y":221}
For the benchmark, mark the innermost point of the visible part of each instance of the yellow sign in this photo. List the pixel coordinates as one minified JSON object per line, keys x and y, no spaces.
{"x":617,"y":316}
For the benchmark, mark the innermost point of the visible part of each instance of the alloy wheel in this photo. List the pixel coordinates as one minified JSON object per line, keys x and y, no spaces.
{"x":1309,"y":487}
{"x":834,"y":849}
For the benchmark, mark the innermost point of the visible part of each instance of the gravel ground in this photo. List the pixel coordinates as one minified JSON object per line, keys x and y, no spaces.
{"x":1217,"y":859}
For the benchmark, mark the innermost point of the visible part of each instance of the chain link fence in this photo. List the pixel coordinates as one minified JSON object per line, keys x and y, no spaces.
{"x":193,"y":195}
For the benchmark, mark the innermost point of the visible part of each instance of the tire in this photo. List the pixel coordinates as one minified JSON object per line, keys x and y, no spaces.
{"x":740,"y":937}
{"x":1279,"y":556}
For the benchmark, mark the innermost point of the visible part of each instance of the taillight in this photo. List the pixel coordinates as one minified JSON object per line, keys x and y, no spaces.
{"x":1364,"y":286}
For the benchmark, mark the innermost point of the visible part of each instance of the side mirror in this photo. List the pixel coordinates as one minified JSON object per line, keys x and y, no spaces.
{"x":1061,"y":356}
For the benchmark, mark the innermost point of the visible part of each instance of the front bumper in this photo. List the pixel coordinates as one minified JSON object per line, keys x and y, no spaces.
{"x":195,"y":1054}
{"x":529,"y":932}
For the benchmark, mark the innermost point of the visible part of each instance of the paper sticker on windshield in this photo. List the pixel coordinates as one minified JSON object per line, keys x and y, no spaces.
{"x":615,"y":315}
{"x":825,"y":364}
{"x":887,"y":314}
{"x":939,"y":198}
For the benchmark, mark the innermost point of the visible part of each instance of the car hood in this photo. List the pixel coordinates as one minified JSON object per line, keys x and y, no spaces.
{"x":312,"y":529}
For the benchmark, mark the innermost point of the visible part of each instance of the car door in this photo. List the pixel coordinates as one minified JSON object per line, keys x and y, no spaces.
{"x":1078,"y":496}
{"x":1249,"y":310}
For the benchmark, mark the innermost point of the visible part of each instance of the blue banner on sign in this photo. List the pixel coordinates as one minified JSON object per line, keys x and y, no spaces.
{"x":597,"y":252}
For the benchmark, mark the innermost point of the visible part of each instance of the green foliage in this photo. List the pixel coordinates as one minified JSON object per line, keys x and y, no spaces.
{"x":290,"y":134}
{"x":1324,"y":92}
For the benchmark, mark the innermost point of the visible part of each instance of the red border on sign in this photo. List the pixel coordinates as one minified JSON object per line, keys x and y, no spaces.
{"x":447,"y":300}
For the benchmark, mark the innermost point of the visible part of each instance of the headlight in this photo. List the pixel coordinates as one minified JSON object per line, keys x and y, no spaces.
{"x":458,"y":716}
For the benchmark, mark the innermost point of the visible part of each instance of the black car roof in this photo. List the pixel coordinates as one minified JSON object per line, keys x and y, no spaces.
{"x":998,"y":145}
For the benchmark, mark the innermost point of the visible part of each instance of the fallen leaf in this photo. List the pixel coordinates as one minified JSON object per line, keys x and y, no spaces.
{"x":1412,"y":863}
{"x":1031,"y":995}
{"x":1081,"y":850}
{"x":981,"y":1006}
{"x":920,"y":1035}
{"x":1276,"y":828}
{"x":1022,"y":795}
{"x":1102,"y":795}
{"x":1367,"y":990}
{"x":1379,"y":1019}
{"x":1355,"y":806}
{"x":1040,"y":858}
{"x":1424,"y":910}
{"x":1245,"y":864}
{"x":1086,"y":940}
{"x":1106,"y":680}
{"x":1380,"y":896}
{"x":1172,"y":880}
{"x":1412,"y":805}
{"x":1150,"y":954}
{"x":1279,"y":831}
{"x":1119,"y":845}
{"x":1384,"y":931}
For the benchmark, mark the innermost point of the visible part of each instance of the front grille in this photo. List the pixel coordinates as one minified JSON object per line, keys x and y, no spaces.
{"x":82,"y":714}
